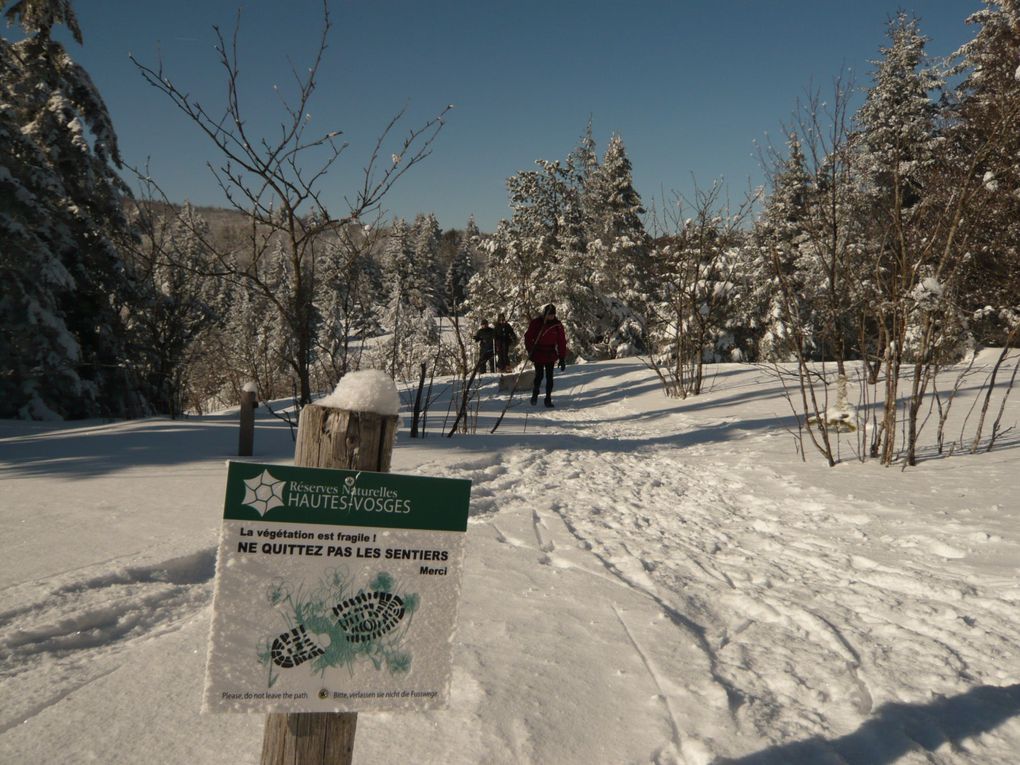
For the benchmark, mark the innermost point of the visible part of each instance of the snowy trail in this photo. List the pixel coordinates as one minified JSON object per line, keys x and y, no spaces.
{"x":647,"y":581}
{"x":804,"y":621}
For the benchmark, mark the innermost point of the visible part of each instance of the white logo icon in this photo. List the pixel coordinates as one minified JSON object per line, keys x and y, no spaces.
{"x":263,"y":492}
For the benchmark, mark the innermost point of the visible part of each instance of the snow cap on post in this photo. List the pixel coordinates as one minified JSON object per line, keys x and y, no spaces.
{"x":250,"y":387}
{"x":368,"y":390}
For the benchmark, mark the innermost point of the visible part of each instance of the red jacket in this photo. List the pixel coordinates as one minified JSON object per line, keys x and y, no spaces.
{"x":545,"y":342}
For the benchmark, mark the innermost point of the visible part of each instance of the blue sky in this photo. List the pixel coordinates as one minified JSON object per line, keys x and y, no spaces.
{"x":690,"y":85}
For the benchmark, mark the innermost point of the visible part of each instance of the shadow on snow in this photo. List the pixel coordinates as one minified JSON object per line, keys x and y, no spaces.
{"x":75,"y":450}
{"x":899,"y":729}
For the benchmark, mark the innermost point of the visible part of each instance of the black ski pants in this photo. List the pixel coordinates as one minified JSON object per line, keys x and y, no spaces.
{"x":540,"y":371}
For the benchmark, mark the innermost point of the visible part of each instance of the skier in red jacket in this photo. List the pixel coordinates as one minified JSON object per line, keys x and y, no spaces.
{"x":545,"y":342}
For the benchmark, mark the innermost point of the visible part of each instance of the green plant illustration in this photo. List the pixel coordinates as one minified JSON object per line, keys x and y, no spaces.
{"x":334,"y":625}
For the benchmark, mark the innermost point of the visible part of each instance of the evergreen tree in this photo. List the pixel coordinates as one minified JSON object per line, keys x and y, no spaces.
{"x":349,"y":294}
{"x":412,"y":339}
{"x":503,"y":282}
{"x":184,"y":306}
{"x":618,"y":251}
{"x":522,"y":252}
{"x":896,"y":131}
{"x":253,"y":343}
{"x":575,"y":240}
{"x":400,"y":275}
{"x":898,"y":146}
{"x":987,"y":111}
{"x":410,"y":314}
{"x":812,"y":226}
{"x":38,"y":353}
{"x":567,"y":278}
{"x":65,"y":285}
{"x":616,"y":234}
{"x":775,"y":285}
{"x":426,"y":282}
{"x":461,"y":269}
{"x":583,"y":161}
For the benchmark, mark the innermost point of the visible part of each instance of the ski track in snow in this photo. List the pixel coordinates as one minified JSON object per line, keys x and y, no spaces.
{"x":660,"y":681}
{"x":804,"y":628}
{"x":74,"y":624}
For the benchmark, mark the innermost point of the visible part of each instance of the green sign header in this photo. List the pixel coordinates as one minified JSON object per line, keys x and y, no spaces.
{"x":284,"y":494}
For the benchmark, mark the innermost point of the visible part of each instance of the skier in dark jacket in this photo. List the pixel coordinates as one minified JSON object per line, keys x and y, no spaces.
{"x":506,"y":338}
{"x":486,"y":339}
{"x":546,"y":341}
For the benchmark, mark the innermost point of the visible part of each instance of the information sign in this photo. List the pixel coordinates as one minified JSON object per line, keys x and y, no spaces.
{"x":336,"y":590}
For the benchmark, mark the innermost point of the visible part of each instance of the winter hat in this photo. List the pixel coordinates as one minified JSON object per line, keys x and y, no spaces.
{"x":549,"y":309}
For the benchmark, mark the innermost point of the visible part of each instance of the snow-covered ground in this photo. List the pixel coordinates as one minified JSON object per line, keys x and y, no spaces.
{"x":646,"y":581}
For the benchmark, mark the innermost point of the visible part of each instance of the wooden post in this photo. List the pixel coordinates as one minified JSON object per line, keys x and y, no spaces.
{"x":329,"y":438}
{"x":246,"y":441}
{"x":417,"y":403}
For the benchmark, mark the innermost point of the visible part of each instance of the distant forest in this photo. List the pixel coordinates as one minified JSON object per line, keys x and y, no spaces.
{"x":885,"y":245}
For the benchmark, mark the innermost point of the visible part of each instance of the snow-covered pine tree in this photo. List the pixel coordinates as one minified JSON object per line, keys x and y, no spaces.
{"x":252,"y":344}
{"x":618,"y":249}
{"x":565,"y":275}
{"x":184,"y":305}
{"x":896,"y":139}
{"x":456,"y":291}
{"x":65,"y":285}
{"x":426,"y":284}
{"x":398,"y":259}
{"x":38,"y":353}
{"x":583,"y":162}
{"x":773,"y":288}
{"x":410,"y":315}
{"x":897,"y":145}
{"x":987,"y":110}
{"x":575,"y":240}
{"x":491,"y":285}
{"x":413,"y":337}
{"x":517,"y":276}
{"x":575,"y":276}
{"x":461,"y":269}
{"x":569,"y":278}
{"x":821,"y":297}
{"x":348,"y":296}
{"x":613,"y":216}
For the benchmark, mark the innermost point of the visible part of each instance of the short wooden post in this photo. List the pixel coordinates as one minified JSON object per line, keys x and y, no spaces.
{"x":417,"y":403}
{"x":246,"y":440}
{"x":329,"y":438}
